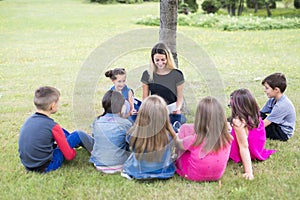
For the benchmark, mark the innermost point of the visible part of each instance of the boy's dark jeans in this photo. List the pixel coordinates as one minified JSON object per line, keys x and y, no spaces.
{"x":273,"y":131}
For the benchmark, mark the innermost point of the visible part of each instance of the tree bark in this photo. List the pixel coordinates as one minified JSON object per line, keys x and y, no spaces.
{"x":168,"y":25}
{"x":241,"y":7}
{"x":255,"y":6}
{"x":233,"y":9}
{"x":268,"y":9}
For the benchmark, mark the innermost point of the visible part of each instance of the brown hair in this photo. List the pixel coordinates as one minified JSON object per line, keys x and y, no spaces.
{"x":151,"y":132}
{"x":161,"y":48}
{"x":244,"y":107}
{"x":45,"y":96}
{"x":112,"y":102}
{"x":276,"y":80}
{"x":114,"y":72}
{"x":211,"y":125}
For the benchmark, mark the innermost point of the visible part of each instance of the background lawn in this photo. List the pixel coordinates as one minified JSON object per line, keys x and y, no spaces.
{"x":65,"y":43}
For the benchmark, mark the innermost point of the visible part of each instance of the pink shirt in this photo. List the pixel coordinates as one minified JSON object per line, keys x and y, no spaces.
{"x":195,"y":165}
{"x":256,"y":142}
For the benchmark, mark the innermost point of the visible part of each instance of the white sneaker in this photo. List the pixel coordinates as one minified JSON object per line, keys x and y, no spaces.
{"x":126,"y":176}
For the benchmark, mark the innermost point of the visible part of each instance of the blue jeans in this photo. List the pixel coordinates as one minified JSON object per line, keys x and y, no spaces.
{"x":74,"y":141}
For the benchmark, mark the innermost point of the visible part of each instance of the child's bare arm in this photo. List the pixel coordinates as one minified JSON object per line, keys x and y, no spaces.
{"x":241,"y":132}
{"x":179,"y":143}
{"x":267,"y":122}
{"x":130,"y":100}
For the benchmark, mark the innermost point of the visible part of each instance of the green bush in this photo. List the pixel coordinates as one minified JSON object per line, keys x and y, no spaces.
{"x":131,"y":1}
{"x":261,"y":4}
{"x":117,"y":1}
{"x":149,"y":20}
{"x":183,"y":8}
{"x":104,"y":1}
{"x":211,"y":6}
{"x":228,"y":23}
{"x":187,"y":6}
{"x":297,"y":4}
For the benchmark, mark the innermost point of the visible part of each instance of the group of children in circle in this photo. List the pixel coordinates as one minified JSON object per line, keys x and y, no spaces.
{"x":150,"y":139}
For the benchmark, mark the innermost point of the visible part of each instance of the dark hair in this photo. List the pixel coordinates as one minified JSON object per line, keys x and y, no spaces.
{"x":44,"y":96}
{"x":112,"y":102}
{"x":276,"y":80}
{"x":113,"y":73}
{"x":159,"y":48}
{"x":244,"y":107}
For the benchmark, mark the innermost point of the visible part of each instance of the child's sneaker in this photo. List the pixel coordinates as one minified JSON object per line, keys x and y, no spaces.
{"x":126,"y":176}
{"x":176,"y":126}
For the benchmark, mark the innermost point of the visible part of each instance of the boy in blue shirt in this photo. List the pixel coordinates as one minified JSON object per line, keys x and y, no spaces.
{"x":279,"y":112}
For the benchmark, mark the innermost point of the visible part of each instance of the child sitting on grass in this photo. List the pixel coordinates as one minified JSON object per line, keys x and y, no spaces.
{"x":206,"y":143}
{"x":151,"y":140}
{"x":279,"y":113}
{"x":110,"y":149}
{"x":118,"y":77}
{"x":43,"y":144}
{"x":248,"y":131}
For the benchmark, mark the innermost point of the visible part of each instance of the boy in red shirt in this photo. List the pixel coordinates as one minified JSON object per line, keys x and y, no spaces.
{"x":43,"y":144}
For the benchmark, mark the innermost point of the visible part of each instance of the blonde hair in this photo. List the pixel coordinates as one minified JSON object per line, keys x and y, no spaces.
{"x":152,"y":129}
{"x":160,"y":48}
{"x":211,"y":125}
{"x":45,"y":96}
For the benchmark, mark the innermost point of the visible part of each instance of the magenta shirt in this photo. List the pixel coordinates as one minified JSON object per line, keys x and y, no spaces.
{"x":195,"y":165}
{"x":256,"y":143}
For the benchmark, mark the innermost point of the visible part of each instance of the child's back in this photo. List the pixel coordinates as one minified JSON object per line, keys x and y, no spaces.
{"x":36,"y":141}
{"x":206,"y":150}
{"x":110,"y":149}
{"x":256,"y":141}
{"x":151,"y":141}
{"x":43,"y":144}
{"x":248,"y":131}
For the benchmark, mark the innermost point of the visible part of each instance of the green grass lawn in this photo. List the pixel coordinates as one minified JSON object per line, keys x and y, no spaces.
{"x":55,"y":42}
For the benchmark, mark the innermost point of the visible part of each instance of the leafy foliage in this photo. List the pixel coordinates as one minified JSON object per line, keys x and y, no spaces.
{"x":229,"y":23}
{"x":261,"y":3}
{"x":187,"y":6}
{"x":117,"y":1}
{"x":297,"y":4}
{"x":211,"y":6}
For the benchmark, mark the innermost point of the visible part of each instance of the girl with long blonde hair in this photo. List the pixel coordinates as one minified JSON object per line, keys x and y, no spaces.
{"x":205,"y":144}
{"x":150,"y":140}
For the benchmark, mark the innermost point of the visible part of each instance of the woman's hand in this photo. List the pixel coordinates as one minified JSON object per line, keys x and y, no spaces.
{"x":177,"y":111}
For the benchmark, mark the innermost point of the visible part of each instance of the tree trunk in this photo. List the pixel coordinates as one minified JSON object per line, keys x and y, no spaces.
{"x":228,"y":9}
{"x":241,"y":7}
{"x":233,"y":9}
{"x":256,"y":6}
{"x":168,"y":25}
{"x":268,"y":9}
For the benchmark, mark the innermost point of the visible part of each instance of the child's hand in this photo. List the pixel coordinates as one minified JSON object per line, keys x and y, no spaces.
{"x":248,"y":176}
{"x":134,"y":112}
